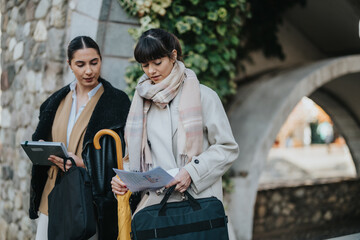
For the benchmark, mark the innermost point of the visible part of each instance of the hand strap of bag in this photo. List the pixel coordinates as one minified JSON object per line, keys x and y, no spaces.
{"x":59,"y":175}
{"x":72,"y":162}
{"x":195,"y":205}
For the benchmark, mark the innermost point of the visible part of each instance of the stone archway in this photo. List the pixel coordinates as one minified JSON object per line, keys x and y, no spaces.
{"x":260,"y":109}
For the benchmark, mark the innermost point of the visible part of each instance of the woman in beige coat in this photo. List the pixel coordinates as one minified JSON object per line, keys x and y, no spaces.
{"x":176,"y":123}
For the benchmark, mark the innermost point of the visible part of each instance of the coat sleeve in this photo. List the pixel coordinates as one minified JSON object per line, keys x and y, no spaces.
{"x":206,"y":168}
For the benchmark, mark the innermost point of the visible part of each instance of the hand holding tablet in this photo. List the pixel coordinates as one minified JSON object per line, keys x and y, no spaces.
{"x":39,"y":151}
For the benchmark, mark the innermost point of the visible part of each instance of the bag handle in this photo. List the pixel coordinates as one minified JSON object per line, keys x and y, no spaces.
{"x":195,"y":205}
{"x":72,"y":162}
{"x":58,"y":177}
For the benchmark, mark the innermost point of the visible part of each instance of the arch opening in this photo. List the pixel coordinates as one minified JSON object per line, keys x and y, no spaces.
{"x":309,"y":146}
{"x":308,"y":187}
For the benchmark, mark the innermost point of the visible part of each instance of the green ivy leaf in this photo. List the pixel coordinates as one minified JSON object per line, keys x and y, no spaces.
{"x":227,"y":55}
{"x":243,"y":7}
{"x":211,"y":40}
{"x":201,"y":47}
{"x":233,"y":54}
{"x":222,"y":13}
{"x":190,"y":19}
{"x":197,"y":61}
{"x":215,"y":69}
{"x":214,"y":58}
{"x":183,"y":27}
{"x":177,"y":9}
{"x":210,"y":6}
{"x":221,"y":29}
{"x":197,"y":28}
{"x":233,"y":3}
{"x":145,"y":20}
{"x":195,"y":2}
{"x":164,"y":3}
{"x":212,"y":16}
{"x":235,"y":40}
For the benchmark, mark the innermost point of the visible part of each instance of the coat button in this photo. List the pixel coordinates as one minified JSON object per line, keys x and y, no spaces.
{"x":196,"y":161}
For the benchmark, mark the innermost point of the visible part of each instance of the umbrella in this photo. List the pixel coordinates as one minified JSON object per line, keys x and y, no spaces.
{"x":124,"y":213}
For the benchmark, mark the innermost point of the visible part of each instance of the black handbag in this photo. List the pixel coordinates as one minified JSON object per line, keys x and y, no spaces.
{"x":71,"y":210}
{"x":202,"y":218}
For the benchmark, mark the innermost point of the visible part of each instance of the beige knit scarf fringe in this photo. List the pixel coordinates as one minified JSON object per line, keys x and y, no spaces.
{"x":190,"y":126}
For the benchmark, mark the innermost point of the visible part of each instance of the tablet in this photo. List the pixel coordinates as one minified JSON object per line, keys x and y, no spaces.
{"x":39,"y":152}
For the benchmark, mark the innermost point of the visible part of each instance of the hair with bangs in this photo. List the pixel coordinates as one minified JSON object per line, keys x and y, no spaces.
{"x":156,"y":43}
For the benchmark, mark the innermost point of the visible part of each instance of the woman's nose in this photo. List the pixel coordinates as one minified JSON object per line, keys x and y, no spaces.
{"x":88,"y":70}
{"x":151,"y":69}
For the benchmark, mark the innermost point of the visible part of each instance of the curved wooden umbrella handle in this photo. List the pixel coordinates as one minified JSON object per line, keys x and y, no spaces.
{"x":112,"y":133}
{"x":124,"y":213}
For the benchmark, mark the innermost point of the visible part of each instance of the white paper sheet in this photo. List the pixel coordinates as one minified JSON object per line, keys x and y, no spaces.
{"x":138,"y":181}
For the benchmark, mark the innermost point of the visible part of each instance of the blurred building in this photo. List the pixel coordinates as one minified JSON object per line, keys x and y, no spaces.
{"x":303,"y":126}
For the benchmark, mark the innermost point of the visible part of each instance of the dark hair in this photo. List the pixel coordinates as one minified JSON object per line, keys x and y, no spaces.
{"x":81,"y":42}
{"x":156,"y":43}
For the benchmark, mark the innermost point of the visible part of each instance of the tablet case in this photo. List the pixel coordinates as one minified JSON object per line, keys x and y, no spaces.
{"x":39,"y":152}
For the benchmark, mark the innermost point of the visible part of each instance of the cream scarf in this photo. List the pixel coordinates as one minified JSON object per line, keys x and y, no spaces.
{"x":190,"y":127}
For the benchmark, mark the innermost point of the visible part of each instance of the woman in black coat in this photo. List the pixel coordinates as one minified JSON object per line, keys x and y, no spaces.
{"x":109,"y":112}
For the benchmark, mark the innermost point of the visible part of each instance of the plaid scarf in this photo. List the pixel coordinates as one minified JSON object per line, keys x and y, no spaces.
{"x":190,"y":127}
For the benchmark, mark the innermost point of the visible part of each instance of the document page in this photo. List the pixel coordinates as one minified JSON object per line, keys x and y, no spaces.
{"x":138,"y":181}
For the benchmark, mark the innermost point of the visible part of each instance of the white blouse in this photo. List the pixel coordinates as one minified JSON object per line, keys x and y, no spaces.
{"x":73,"y":114}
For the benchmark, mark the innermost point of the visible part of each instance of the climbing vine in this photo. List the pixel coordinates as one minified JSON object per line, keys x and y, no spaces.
{"x":209,"y":32}
{"x":216,"y":36}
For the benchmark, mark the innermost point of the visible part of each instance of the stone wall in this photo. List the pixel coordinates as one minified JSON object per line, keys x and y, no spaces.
{"x":32,"y":61}
{"x":315,"y":210}
{"x":107,"y":23}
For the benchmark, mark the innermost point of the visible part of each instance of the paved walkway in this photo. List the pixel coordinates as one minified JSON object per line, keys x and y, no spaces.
{"x":355,"y":236}
{"x":315,"y":161}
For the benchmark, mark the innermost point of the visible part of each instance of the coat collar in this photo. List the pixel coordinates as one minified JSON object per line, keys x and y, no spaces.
{"x":110,"y":112}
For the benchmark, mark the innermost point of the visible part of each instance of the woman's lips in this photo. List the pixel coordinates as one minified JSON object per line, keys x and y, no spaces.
{"x":155,"y":78}
{"x":88,"y":79}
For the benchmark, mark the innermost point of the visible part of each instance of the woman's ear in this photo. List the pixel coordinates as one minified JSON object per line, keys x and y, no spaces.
{"x":174,"y":55}
{"x":69,"y":65}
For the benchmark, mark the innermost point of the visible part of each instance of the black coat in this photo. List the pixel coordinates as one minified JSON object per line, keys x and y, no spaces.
{"x":110,"y":113}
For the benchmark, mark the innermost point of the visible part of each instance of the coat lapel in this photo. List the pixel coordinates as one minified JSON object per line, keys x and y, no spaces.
{"x":81,"y":124}
{"x":61,"y":119}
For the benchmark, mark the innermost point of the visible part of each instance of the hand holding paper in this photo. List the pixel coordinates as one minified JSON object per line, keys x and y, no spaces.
{"x":138,"y":181}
